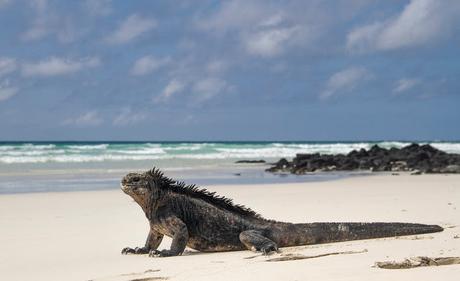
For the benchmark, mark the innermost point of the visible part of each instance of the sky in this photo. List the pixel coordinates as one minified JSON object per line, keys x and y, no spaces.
{"x":229,"y":70}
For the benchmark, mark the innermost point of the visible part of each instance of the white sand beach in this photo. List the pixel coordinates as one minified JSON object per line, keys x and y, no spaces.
{"x":79,"y":235}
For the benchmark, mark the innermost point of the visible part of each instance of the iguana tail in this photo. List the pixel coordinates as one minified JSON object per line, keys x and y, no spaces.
{"x":319,"y":232}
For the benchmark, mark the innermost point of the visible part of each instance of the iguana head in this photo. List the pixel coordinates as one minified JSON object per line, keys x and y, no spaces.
{"x":146,"y":188}
{"x":138,"y":186}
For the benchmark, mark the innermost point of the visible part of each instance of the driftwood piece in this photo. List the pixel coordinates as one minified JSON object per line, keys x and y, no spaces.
{"x":418,"y":262}
{"x":292,"y":257}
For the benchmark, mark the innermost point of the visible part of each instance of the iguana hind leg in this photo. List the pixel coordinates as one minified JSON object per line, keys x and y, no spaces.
{"x":255,"y":241}
{"x":153,"y":241}
{"x":180,"y":236}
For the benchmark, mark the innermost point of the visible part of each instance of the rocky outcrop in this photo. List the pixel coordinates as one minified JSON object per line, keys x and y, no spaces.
{"x":250,"y":161}
{"x":414,"y":157}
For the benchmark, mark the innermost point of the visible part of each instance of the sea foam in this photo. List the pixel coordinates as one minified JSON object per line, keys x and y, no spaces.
{"x":99,"y":152}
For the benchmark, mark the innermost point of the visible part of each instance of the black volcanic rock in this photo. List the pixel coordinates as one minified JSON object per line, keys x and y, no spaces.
{"x":249,"y":161}
{"x":414,"y":157}
{"x":280,"y":166}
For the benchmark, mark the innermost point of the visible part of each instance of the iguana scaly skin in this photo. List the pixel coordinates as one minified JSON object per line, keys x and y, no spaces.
{"x":207,"y":222}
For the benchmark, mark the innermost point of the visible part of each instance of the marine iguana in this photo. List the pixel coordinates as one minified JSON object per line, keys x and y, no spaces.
{"x":207,"y":222}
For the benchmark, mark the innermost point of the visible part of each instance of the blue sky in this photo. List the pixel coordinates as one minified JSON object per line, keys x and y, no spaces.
{"x":229,"y":70}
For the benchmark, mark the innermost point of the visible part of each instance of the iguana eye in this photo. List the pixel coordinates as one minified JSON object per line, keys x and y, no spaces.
{"x":136,"y":179}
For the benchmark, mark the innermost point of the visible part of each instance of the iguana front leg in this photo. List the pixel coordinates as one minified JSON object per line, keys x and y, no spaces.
{"x":153,"y":241}
{"x":178,"y":230}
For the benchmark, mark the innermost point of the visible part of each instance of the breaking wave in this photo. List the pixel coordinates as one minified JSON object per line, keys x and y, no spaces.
{"x":97,"y":152}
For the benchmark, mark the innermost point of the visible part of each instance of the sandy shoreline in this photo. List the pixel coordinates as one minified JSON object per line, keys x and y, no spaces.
{"x":79,"y":235}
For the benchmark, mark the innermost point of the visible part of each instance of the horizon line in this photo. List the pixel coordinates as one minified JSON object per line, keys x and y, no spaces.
{"x":224,"y":141}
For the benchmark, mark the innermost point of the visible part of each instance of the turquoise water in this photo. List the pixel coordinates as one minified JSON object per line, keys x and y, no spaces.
{"x":81,"y":152}
{"x":70,"y":166}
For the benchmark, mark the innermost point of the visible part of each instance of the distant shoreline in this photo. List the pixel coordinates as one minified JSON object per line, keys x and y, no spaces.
{"x":64,"y":166}
{"x":92,"y":180}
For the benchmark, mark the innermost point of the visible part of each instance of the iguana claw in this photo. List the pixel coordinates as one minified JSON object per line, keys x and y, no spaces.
{"x":136,"y":251}
{"x":163,"y":253}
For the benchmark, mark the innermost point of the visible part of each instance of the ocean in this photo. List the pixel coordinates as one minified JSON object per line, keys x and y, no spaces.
{"x":72,"y":166}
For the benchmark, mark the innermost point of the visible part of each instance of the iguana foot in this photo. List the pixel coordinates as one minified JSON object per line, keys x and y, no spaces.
{"x":255,"y":241}
{"x":162,"y":253}
{"x":136,"y":251}
{"x":267,"y":249}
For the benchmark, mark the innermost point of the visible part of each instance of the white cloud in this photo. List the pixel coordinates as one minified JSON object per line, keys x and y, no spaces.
{"x":148,"y":64}
{"x":7,"y":65}
{"x":207,"y":88}
{"x":268,"y":43}
{"x":7,"y":91}
{"x":48,"y":22}
{"x":41,"y":23}
{"x":263,"y":29}
{"x":405,"y":84}
{"x":131,"y":28}
{"x":88,"y":119}
{"x":58,"y":66}
{"x":344,"y":81}
{"x":274,"y":20}
{"x":128,"y":117}
{"x":174,"y":86}
{"x":421,"y":22}
{"x":363,"y":38}
{"x":38,"y":30}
